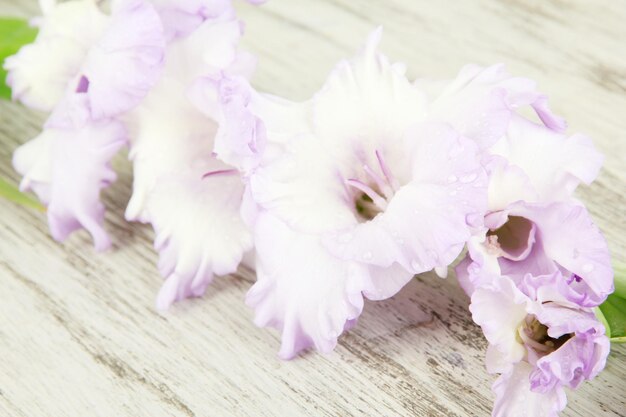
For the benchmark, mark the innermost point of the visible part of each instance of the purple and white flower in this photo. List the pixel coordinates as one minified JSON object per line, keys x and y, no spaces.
{"x":132,"y":77}
{"x":191,"y":198}
{"x":68,"y":164}
{"x":553,"y":252}
{"x":533,"y":226}
{"x":356,"y":191}
{"x":539,"y":348}
{"x":540,"y":264}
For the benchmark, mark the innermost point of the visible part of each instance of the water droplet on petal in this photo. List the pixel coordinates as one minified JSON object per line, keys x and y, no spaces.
{"x":473,"y":219}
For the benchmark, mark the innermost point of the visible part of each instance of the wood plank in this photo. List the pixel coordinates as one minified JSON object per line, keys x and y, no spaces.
{"x":78,"y":331}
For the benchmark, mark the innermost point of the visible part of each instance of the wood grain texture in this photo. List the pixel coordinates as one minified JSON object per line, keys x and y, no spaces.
{"x":78,"y":332}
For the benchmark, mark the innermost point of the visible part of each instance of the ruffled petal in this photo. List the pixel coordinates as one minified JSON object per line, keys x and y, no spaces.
{"x":34,"y":162}
{"x":366,"y":100}
{"x":499,"y":309}
{"x":553,"y":163}
{"x":481,"y":101}
{"x":474,"y":105}
{"x":304,"y":292}
{"x":70,"y":19}
{"x":570,"y":238}
{"x":580,"y":358}
{"x":242,"y":136}
{"x":536,"y":264}
{"x":168,"y":132}
{"x":67,"y":169}
{"x":39,"y":74}
{"x":549,"y":287}
{"x":244,"y":117}
{"x":210,"y":51}
{"x":182,"y":17}
{"x":514,"y":397}
{"x":190,"y":252}
{"x":126,"y":62}
{"x":172,"y":151}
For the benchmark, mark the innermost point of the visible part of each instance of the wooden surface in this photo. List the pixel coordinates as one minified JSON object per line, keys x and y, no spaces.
{"x":78,"y":332}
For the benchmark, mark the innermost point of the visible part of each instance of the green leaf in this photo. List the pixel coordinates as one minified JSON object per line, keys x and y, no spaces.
{"x":602,"y":319}
{"x":11,"y":192}
{"x":620,"y":278}
{"x":14,"y":33}
{"x":614,"y":312}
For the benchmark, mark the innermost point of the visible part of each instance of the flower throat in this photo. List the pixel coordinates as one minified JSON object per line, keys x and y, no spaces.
{"x":372,"y":196}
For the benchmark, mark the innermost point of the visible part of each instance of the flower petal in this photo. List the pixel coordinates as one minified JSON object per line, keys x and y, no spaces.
{"x":554,"y":164}
{"x":176,"y":178}
{"x":169,"y":138}
{"x":478,"y":267}
{"x":127,"y":61}
{"x":574,"y":242}
{"x":182,"y":17}
{"x":302,"y":290}
{"x":508,"y":184}
{"x":481,"y":101}
{"x":425,"y":224}
{"x":242,"y":137}
{"x":580,"y":358}
{"x":474,"y":105}
{"x":365,"y":100}
{"x":39,"y":74}
{"x":299,"y":181}
{"x":190,"y":252}
{"x":68,"y":168}
{"x":499,"y":309}
{"x":515,"y":399}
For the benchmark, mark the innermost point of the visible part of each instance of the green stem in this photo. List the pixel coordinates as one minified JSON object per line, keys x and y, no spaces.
{"x":12,"y":193}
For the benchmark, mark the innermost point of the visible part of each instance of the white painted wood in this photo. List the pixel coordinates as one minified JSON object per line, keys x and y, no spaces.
{"x":78,"y":332}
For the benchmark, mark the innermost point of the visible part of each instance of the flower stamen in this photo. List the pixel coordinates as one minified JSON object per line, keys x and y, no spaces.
{"x":220,"y":172}
{"x":534,"y":334}
{"x":380,"y":182}
{"x":379,"y":201}
{"x":391,"y":179}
